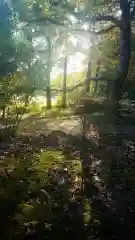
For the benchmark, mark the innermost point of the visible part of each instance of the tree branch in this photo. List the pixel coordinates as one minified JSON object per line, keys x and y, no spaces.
{"x":76,"y":86}
{"x":107,"y":18}
{"x":44,"y":19}
{"x":105,"y":30}
{"x":102,"y":31}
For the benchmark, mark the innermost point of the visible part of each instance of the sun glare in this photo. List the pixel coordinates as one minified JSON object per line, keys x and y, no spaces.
{"x":74,"y":40}
{"x":85,"y":26}
{"x":71,"y":18}
{"x":75,"y":64}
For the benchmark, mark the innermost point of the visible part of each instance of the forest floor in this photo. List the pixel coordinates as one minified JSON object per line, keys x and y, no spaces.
{"x":107,"y":149}
{"x":52,"y":131}
{"x":103,"y":139}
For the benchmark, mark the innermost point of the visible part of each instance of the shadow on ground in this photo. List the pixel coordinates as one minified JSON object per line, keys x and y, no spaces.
{"x":107,"y":184}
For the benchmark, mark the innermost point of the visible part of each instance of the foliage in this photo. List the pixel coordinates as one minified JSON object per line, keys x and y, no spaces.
{"x":18,"y":84}
{"x":8,"y":63}
{"x":35,"y":108}
{"x":109,"y":48}
{"x":59,"y":101}
{"x":34,"y":197}
{"x":72,"y":79}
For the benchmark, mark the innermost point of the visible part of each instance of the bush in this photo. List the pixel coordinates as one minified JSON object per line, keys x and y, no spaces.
{"x":73,"y":97}
{"x":23,"y":110}
{"x":59,"y":101}
{"x":35,"y":195}
{"x":19,"y":110}
{"x":7,"y":133}
{"x":43,"y":109}
{"x":35,"y":107}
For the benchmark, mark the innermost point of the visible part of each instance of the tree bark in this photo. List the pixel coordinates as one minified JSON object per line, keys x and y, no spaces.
{"x":97,"y":73}
{"x":125,"y":52}
{"x":48,"y":98}
{"x":3,"y":112}
{"x":87,"y":81}
{"x":64,"y":83}
{"x":26,"y":99}
{"x":48,"y":88}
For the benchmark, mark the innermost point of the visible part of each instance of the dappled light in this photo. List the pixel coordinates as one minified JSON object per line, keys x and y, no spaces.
{"x":67,"y":114}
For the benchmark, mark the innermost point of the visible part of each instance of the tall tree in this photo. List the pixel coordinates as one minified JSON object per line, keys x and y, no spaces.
{"x":97,"y":74}
{"x":8,"y":50}
{"x":127,"y":9}
{"x":87,"y":81}
{"x":99,"y":12}
{"x":7,"y":44}
{"x":48,"y":84}
{"x":125,"y":50}
{"x":64,"y":83}
{"x":65,"y":55}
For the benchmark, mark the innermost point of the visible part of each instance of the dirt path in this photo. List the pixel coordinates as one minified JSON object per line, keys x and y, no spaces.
{"x":73,"y":125}
{"x":42,"y":125}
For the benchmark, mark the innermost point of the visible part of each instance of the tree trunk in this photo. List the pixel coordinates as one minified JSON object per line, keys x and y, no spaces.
{"x":3,"y":112}
{"x":64,"y":83}
{"x":26,"y":99}
{"x":87,"y":82}
{"x":48,"y":98}
{"x":97,"y":73}
{"x":48,"y":88}
{"x":125,"y":52}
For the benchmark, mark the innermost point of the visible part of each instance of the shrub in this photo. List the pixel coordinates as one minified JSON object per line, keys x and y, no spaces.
{"x":22,"y":110}
{"x":35,"y":107}
{"x":59,"y":101}
{"x":35,"y":194}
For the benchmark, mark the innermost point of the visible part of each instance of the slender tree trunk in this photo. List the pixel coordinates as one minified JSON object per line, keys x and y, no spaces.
{"x":97,"y":73}
{"x":64,"y":83}
{"x":87,"y":82}
{"x":48,"y":88}
{"x":3,"y":112}
{"x":26,"y":99}
{"x":48,"y":97}
{"x":125,"y":52}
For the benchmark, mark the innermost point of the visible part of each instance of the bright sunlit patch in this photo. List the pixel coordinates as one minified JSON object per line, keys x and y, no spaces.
{"x":86,"y":43}
{"x":71,"y":18}
{"x":74,"y":40}
{"x":118,"y":13}
{"x":85,"y":26}
{"x":55,"y":72}
{"x":75,"y":64}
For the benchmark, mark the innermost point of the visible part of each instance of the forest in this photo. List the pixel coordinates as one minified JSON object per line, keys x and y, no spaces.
{"x":67,"y":119}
